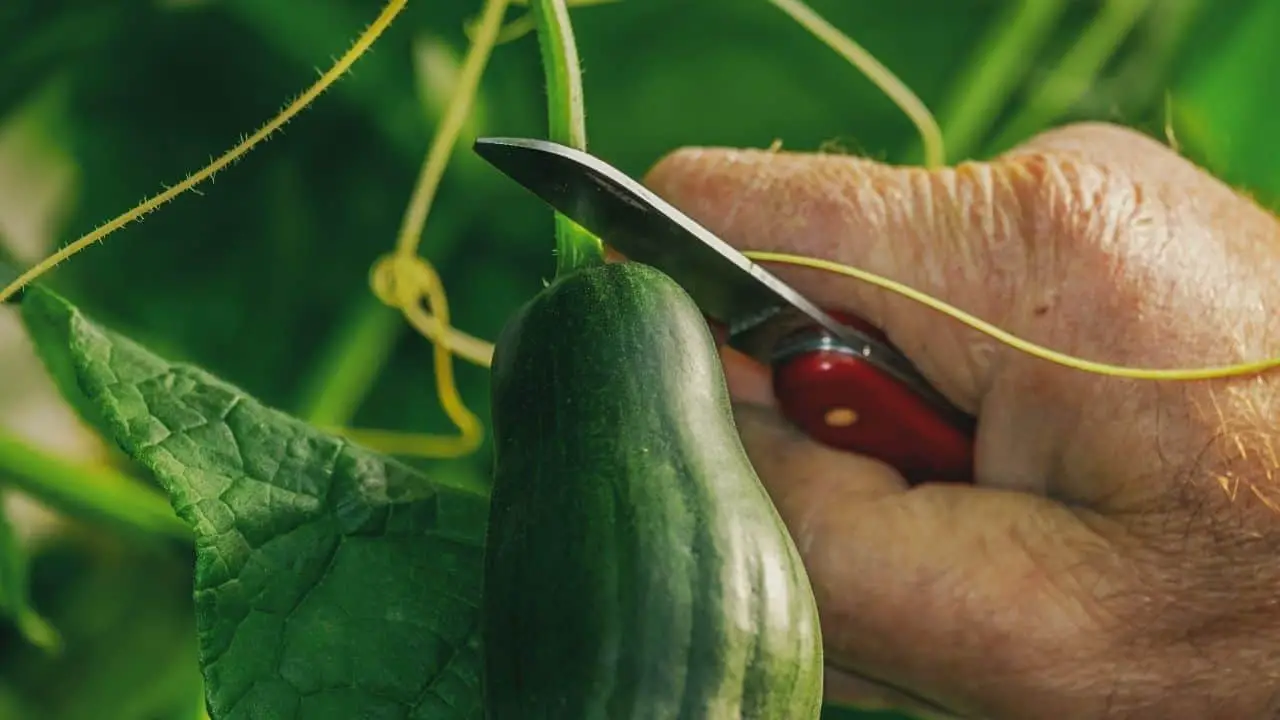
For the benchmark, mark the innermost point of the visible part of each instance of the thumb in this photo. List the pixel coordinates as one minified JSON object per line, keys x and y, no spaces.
{"x":960,"y":234}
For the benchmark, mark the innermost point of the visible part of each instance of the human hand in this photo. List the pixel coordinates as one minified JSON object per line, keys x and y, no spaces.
{"x":1119,"y":556}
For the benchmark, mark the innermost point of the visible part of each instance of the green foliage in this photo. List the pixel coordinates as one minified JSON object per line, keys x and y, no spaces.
{"x":1231,"y":126}
{"x":262,"y":277}
{"x":330,"y":581}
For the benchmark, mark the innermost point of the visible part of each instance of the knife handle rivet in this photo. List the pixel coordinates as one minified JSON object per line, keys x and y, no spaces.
{"x":840,"y":417}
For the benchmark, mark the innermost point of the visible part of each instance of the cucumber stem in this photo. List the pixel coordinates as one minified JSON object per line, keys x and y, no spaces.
{"x":575,"y":247}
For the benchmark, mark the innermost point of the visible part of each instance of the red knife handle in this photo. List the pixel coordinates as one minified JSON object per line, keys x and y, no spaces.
{"x":843,"y":400}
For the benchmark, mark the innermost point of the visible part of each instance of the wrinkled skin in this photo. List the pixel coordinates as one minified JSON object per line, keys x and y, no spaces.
{"x":1120,"y":556}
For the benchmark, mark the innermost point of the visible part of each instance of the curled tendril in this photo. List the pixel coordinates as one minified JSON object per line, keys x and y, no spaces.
{"x":408,"y":282}
{"x":405,"y":281}
{"x":411,"y":285}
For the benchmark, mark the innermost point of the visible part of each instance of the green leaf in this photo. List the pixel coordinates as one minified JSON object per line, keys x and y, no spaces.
{"x":330,"y":582}
{"x":14,"y":601}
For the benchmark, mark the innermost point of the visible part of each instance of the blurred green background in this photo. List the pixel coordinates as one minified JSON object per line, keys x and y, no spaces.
{"x":262,"y":276}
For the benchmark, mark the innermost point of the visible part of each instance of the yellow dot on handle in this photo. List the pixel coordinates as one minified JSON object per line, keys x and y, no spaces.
{"x":840,"y":417}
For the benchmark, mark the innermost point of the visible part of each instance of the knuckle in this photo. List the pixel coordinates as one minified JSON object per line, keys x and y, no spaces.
{"x":1093,"y":140}
{"x":1089,"y":244}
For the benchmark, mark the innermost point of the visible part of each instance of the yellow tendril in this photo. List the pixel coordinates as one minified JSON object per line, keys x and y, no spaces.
{"x":344,"y":63}
{"x":404,"y":282}
{"x":1013,"y":341}
{"x":451,"y":125}
{"x":407,"y":282}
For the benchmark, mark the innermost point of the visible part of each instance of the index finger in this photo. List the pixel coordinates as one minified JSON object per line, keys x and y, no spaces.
{"x":943,"y":232}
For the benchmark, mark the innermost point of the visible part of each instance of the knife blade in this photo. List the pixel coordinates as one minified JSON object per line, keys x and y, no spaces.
{"x":726,"y":285}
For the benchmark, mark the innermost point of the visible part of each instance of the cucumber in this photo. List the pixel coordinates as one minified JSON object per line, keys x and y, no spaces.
{"x":635,"y":567}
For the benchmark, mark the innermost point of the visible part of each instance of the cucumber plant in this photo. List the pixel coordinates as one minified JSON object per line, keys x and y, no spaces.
{"x":288,"y":518}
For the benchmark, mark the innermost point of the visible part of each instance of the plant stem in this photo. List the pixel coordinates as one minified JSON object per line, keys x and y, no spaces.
{"x":575,"y":247}
{"x":93,"y":492}
{"x":1075,"y":73}
{"x":992,"y":76}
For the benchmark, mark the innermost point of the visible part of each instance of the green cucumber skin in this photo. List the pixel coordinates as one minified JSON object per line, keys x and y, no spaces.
{"x":635,"y":566}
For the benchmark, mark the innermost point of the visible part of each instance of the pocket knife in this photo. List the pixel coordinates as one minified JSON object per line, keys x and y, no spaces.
{"x":835,"y":376}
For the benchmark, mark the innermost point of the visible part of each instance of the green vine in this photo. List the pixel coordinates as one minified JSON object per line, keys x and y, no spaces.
{"x":575,"y":247}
